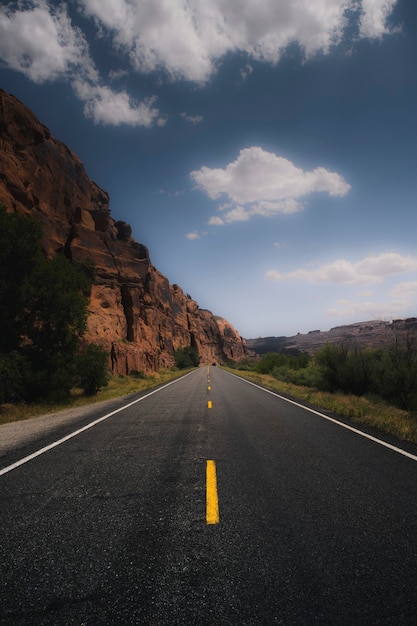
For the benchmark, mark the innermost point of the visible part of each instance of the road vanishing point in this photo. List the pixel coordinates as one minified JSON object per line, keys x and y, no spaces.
{"x":208,"y":501}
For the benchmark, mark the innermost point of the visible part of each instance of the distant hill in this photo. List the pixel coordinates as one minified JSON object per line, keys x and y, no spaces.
{"x":375,"y":334}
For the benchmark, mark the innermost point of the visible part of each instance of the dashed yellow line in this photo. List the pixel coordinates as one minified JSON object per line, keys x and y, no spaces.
{"x":212,"y":499}
{"x":209,"y":404}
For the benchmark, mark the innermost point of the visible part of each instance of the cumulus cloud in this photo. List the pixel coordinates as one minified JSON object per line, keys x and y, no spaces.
{"x":108,"y":107}
{"x":187,"y":39}
{"x":366,"y":310}
{"x":372,"y":269}
{"x":262,"y":183}
{"x":40,"y":42}
{"x":38,"y":39}
{"x":246,"y":71}
{"x":404,"y":290}
{"x":184,"y":39}
{"x":193,"y":119}
{"x":374,"y":17}
{"x":193,"y":236}
{"x":215,"y":221}
{"x":398,"y":301}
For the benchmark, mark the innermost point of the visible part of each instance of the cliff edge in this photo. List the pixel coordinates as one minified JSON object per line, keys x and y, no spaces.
{"x":133,"y":308}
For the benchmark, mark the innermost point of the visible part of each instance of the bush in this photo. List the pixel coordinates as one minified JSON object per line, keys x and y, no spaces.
{"x":304,"y":377}
{"x":43,"y":313}
{"x":242,"y":365}
{"x":92,"y":369}
{"x":187,"y":357}
{"x":13,"y":374}
{"x":273,"y":360}
{"x":390,"y":374}
{"x":138,"y":374}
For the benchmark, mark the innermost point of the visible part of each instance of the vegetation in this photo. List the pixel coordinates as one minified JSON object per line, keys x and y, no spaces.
{"x":43,"y":314}
{"x":369,"y":411}
{"x":117,"y":387}
{"x":187,"y":357}
{"x":91,"y":369}
{"x":389,"y":374}
{"x":375,"y":387}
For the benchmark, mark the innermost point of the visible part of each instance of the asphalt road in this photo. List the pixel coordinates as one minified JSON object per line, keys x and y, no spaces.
{"x":317,"y":524}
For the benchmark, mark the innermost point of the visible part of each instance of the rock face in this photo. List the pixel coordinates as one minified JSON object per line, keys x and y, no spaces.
{"x":134,"y":312}
{"x":371,"y":334}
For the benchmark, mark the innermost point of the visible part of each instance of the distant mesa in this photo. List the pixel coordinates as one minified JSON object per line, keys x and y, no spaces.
{"x":371,"y":334}
{"x":134,"y":312}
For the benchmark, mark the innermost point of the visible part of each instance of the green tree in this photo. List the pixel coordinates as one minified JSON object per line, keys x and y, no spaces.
{"x":43,"y":312}
{"x":92,"y":371}
{"x":274,"y":360}
{"x":187,"y":357}
{"x":14,"y":371}
{"x":330,"y":360}
{"x":57,"y":308}
{"x":397,"y":373}
{"x":20,"y":254}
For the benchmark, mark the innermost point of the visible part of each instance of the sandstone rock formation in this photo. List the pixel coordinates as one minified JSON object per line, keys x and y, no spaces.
{"x":134,"y":312}
{"x":360,"y":335}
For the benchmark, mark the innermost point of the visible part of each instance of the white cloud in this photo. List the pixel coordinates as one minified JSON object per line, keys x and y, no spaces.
{"x":187,"y":39}
{"x":215,"y":221}
{"x":262,"y":183}
{"x":193,"y":119}
{"x":117,"y":74}
{"x":267,"y":208}
{"x":366,"y":310}
{"x":184,"y":39}
{"x":371,"y":269}
{"x":375,"y":14}
{"x":366,"y":293}
{"x":402,"y":290}
{"x":237,"y":214}
{"x":108,"y":107}
{"x":246,"y":71}
{"x":398,"y":301}
{"x":194,"y":235}
{"x":40,"y":42}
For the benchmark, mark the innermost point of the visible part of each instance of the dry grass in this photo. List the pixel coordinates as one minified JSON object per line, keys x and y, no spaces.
{"x":118,"y":386}
{"x":361,"y":410}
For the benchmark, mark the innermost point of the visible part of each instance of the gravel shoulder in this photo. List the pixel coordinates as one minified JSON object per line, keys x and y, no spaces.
{"x":17,"y":434}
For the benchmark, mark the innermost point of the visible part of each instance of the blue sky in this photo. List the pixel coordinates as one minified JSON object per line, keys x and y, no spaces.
{"x":264,"y":151}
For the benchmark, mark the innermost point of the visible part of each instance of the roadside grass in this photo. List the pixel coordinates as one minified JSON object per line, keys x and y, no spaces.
{"x":367,"y":411}
{"x":118,"y":386}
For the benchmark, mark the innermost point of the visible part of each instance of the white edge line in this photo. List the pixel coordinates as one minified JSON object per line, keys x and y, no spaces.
{"x":413,"y":457}
{"x":32,"y":456}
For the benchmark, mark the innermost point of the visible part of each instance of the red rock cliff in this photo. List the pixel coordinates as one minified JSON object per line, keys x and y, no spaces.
{"x":133,"y":307}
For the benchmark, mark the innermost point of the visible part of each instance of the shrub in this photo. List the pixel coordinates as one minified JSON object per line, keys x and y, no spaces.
{"x":43,"y":313}
{"x":273,"y":360}
{"x":187,"y":357}
{"x":92,"y":369}
{"x":13,"y":373}
{"x":138,"y":374}
{"x":390,"y":373}
{"x":306,"y":377}
{"x":243,"y":365}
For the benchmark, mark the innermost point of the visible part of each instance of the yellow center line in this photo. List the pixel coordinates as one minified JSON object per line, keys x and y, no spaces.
{"x":209,"y":404}
{"x":209,"y":388}
{"x":212,"y":500}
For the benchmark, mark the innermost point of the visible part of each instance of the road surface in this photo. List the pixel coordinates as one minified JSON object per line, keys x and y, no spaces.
{"x":315,"y":524}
